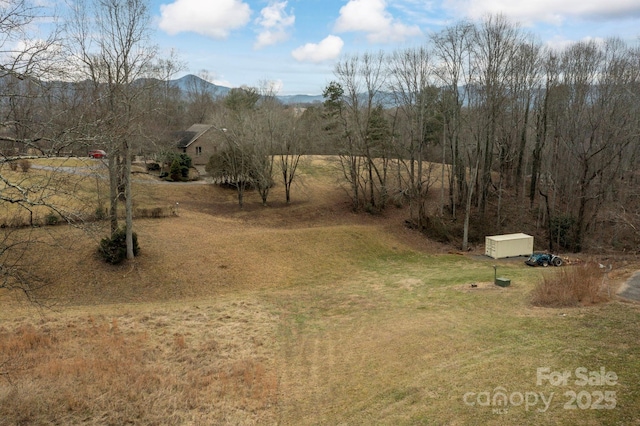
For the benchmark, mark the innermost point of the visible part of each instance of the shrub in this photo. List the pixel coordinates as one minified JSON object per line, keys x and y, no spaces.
{"x":25,"y":165}
{"x":13,"y":166}
{"x":113,"y":249}
{"x":51,"y":219}
{"x":175,"y":173}
{"x":570,"y":286}
{"x":179,"y":165}
{"x":101,"y":213}
{"x":153,"y":167}
{"x":436,"y":228}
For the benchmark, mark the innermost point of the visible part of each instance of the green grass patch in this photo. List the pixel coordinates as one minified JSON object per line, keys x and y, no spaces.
{"x":403,"y":341}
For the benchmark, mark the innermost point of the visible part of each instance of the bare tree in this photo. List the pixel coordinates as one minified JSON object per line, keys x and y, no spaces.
{"x":265,"y":133}
{"x":111,"y":48}
{"x":162,"y":109}
{"x":300,"y":130}
{"x":452,"y":50}
{"x":232,"y":165}
{"x":200,"y":98}
{"x":543,"y":104}
{"x":596,"y":130}
{"x":411,"y":84}
{"x":31,"y":126}
{"x":364,"y":160}
{"x":495,"y":47}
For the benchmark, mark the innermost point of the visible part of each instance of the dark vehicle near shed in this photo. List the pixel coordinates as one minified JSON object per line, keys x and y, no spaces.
{"x":544,"y":259}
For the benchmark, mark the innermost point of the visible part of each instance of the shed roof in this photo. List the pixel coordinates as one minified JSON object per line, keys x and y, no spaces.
{"x":506,"y":237}
{"x":187,"y":137}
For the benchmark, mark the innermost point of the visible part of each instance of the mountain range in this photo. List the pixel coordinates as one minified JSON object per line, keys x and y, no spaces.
{"x":190,"y":81}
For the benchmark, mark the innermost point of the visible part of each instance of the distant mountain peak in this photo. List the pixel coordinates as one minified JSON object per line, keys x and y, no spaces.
{"x":192,"y":82}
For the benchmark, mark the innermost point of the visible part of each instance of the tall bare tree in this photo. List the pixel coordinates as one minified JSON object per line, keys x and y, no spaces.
{"x":360,"y":80}
{"x":31,"y":115}
{"x":411,"y":76}
{"x":452,"y":50}
{"x":111,"y":47}
{"x":200,"y":99}
{"x":495,"y":47}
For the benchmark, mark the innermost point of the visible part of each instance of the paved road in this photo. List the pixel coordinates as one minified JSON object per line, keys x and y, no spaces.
{"x":631,"y":289}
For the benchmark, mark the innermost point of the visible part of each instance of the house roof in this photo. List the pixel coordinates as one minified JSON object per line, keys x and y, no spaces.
{"x":187,"y":137}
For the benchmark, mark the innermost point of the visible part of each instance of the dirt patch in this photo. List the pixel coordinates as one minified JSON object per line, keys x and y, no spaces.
{"x":409,"y":283}
{"x":479,"y":286}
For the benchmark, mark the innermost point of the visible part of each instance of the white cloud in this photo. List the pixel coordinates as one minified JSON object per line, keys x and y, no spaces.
{"x":560,"y":43}
{"x":211,"y":18}
{"x":372,"y":17}
{"x":550,"y":11}
{"x":327,"y":49}
{"x":274,"y":21}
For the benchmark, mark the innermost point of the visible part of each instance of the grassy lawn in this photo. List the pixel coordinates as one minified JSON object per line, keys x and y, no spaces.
{"x":301,"y":314}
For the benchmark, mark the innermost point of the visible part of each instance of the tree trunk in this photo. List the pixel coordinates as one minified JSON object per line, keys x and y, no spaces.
{"x":113,"y":191}
{"x":467,"y":213}
{"x":128,"y":200}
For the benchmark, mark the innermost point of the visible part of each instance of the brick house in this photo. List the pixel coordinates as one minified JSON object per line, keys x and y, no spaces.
{"x":199,"y":142}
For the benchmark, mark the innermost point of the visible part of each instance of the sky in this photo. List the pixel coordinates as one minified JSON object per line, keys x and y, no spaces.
{"x":295,"y":44}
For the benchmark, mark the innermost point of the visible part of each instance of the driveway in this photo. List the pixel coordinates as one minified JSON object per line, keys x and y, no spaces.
{"x":631,"y":289}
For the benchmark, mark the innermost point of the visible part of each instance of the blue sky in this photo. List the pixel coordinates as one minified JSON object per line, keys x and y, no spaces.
{"x":296,"y":43}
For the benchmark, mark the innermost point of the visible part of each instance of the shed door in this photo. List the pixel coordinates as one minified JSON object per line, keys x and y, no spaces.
{"x":490,"y":249}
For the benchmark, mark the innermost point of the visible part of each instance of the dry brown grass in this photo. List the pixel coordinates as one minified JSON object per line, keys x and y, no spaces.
{"x":47,"y":182}
{"x":176,"y":336}
{"x":201,"y":365}
{"x":571,"y":286}
{"x":299,"y":314}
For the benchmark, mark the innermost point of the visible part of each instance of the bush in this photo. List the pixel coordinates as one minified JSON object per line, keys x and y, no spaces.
{"x":51,"y":219}
{"x":175,"y":173}
{"x":25,"y":165}
{"x":179,"y":165}
{"x":101,"y":213}
{"x":153,"y":167}
{"x":114,"y":249}
{"x":570,"y":286}
{"x":439,"y":229}
{"x":13,"y":166}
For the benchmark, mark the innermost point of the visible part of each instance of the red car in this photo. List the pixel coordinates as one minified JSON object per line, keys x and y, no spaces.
{"x":97,"y":153}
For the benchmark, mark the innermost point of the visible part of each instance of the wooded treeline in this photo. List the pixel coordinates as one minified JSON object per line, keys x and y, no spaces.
{"x":531,"y":137}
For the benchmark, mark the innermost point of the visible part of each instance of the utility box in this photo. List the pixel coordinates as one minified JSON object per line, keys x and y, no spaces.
{"x":502,"y":282}
{"x":508,"y":245}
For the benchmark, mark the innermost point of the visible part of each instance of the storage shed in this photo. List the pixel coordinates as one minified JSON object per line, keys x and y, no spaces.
{"x":508,"y":245}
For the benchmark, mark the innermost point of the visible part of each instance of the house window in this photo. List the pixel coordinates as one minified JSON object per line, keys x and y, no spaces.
{"x":198,"y":150}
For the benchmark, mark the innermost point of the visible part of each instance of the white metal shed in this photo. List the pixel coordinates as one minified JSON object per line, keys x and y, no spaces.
{"x":508,"y":245}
